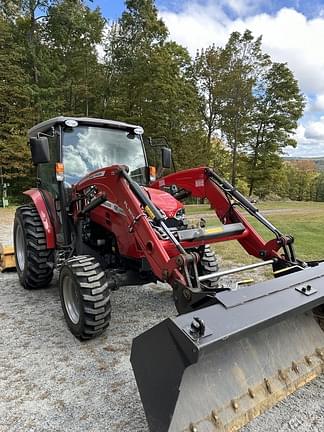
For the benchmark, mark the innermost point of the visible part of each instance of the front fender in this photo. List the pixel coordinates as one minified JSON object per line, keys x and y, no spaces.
{"x":40,"y":205}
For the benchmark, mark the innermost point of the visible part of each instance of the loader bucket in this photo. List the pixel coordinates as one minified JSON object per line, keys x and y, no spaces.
{"x":260,"y":344}
{"x":7,"y":257}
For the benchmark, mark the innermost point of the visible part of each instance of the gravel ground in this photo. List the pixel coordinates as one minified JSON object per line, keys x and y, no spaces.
{"x":49,"y":381}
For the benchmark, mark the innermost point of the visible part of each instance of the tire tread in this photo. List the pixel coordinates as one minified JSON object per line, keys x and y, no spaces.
{"x":39,"y":261}
{"x":95,"y":296}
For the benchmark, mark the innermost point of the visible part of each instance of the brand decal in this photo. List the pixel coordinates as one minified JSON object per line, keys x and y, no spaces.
{"x":199,"y":183}
{"x":96,"y":175}
{"x":113,"y":207}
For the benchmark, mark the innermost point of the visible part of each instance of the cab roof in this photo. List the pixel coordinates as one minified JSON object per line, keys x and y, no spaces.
{"x":46,"y":125}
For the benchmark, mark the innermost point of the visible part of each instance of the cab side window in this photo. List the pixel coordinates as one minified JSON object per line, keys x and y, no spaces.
{"x":46,"y":172}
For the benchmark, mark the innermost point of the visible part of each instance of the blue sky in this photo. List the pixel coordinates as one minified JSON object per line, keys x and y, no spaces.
{"x":292,"y":31}
{"x":113,"y":8}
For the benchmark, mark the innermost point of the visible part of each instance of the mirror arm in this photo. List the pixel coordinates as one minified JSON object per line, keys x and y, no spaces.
{"x":43,"y":134}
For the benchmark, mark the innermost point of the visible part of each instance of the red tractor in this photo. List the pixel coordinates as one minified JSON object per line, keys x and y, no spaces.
{"x":100,"y":217}
{"x":85,"y":215}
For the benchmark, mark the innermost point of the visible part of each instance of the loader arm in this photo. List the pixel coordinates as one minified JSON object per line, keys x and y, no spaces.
{"x":171,"y":257}
{"x":204,"y":183}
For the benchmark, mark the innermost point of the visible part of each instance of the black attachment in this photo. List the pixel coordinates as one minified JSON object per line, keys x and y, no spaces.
{"x":166,"y":157}
{"x":93,"y":204}
{"x":190,"y":300}
{"x":181,"y":378}
{"x":197,"y":328}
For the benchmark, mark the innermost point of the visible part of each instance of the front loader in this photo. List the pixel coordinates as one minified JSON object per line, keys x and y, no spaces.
{"x":100,"y":217}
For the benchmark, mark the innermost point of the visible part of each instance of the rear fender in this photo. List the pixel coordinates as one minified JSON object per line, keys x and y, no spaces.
{"x":40,"y":205}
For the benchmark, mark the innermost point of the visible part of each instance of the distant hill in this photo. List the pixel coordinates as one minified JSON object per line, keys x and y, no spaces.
{"x":319,"y":161}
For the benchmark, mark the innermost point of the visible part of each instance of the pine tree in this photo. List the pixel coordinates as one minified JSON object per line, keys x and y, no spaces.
{"x":72,"y":33}
{"x":15,"y":111}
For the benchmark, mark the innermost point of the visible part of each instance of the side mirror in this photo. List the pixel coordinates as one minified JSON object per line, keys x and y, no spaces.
{"x":166,"y":157}
{"x":39,"y":150}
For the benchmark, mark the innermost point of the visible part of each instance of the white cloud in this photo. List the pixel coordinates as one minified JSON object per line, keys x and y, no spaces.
{"x":318,"y":104}
{"x":288,"y":36}
{"x":310,"y":139}
{"x":241,"y":7}
{"x":315,"y":129}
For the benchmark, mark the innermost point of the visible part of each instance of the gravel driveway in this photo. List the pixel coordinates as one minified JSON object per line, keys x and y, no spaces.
{"x":49,"y":381}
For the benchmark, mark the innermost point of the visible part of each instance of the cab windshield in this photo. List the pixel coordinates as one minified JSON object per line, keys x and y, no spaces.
{"x":87,"y":148}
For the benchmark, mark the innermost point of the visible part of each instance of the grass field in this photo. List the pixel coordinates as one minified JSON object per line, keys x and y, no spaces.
{"x":303,"y":220}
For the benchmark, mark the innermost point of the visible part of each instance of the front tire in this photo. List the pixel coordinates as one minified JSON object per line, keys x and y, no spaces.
{"x":34,"y":262}
{"x":85,"y":297}
{"x":207,"y":265}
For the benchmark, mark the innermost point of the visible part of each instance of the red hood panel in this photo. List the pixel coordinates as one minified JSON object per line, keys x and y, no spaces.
{"x":164,"y":201}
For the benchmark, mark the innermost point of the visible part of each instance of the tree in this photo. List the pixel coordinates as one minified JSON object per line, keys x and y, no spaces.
{"x":207,"y":73}
{"x":302,"y":174}
{"x":14,"y":106}
{"x":243,"y":59}
{"x":220,"y":158}
{"x":148,"y":82}
{"x":73,"y":31}
{"x":129,"y":48}
{"x":319,"y":187}
{"x":278,"y":106}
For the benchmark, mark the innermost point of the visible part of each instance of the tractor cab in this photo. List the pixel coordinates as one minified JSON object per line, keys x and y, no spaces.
{"x":74,"y":147}
{"x":67,"y":150}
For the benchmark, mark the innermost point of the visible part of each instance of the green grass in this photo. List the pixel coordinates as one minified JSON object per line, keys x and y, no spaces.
{"x":197,"y":208}
{"x":303,"y":220}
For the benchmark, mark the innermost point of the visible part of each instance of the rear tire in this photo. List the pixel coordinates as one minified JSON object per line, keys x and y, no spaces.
{"x":85,"y":297}
{"x":209,"y":264}
{"x":34,"y":262}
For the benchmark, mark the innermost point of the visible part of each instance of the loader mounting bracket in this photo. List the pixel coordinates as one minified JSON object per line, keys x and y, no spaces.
{"x":307,"y":290}
{"x":187,"y":300}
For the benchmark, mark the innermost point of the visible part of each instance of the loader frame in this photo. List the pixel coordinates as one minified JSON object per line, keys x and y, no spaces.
{"x":170,"y":258}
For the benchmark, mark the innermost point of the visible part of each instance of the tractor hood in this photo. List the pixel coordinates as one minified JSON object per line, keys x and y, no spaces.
{"x":164,"y":201}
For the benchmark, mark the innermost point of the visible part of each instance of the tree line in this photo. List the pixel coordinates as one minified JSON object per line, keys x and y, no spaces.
{"x":229,"y":107}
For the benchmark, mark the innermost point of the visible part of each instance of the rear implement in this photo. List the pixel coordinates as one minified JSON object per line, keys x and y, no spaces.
{"x":7,"y":257}
{"x":217,"y":368}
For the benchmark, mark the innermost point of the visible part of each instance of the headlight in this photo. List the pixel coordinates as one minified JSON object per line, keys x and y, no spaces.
{"x":180,"y":214}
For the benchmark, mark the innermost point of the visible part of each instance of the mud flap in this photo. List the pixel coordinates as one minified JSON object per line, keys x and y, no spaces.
{"x":7,"y":257}
{"x":260,"y":344}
